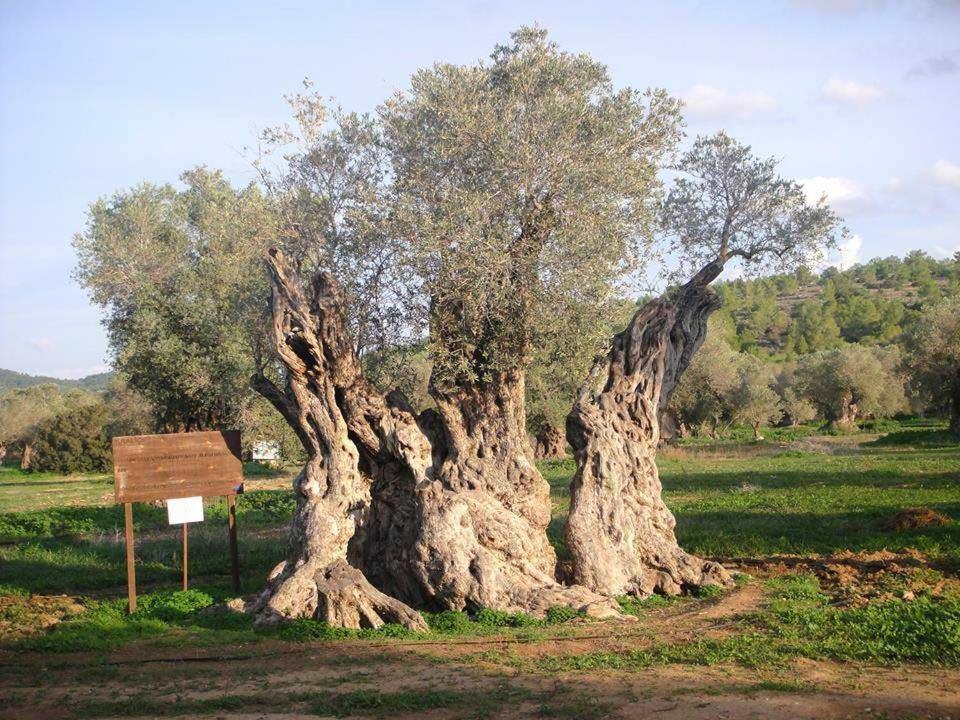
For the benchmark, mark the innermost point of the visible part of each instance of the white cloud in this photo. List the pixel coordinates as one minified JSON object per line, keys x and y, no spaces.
{"x":842,"y":194}
{"x":946,"y":173}
{"x":40,"y":344}
{"x":850,"y":92}
{"x":709,"y":101}
{"x":848,"y":254}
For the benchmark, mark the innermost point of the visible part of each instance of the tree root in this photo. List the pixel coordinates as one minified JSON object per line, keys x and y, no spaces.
{"x":337,"y":594}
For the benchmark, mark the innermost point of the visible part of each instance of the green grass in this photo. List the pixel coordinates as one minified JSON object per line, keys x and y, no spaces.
{"x":750,"y":500}
{"x":799,"y":621}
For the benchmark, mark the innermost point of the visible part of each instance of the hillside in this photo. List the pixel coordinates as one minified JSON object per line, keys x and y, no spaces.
{"x":10,"y":379}
{"x":873,"y":303}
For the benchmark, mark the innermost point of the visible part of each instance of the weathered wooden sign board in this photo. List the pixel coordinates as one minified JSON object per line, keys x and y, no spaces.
{"x":172,"y":466}
{"x":160,"y":467}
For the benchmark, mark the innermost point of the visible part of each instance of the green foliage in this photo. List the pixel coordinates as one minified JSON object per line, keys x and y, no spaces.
{"x":851,"y":381}
{"x":173,"y":605}
{"x":876,"y":303}
{"x":74,"y":441}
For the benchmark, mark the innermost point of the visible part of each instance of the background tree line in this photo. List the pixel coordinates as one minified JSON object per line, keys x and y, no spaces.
{"x":882,"y":339}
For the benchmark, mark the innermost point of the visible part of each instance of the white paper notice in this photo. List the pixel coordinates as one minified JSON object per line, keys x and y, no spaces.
{"x":185,"y":510}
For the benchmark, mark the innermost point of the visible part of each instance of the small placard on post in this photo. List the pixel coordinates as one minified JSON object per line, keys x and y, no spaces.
{"x":185,"y":510}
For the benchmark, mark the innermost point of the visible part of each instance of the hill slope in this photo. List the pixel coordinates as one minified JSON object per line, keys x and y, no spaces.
{"x":10,"y":379}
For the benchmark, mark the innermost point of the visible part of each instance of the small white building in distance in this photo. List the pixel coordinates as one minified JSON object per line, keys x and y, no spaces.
{"x":266,"y":451}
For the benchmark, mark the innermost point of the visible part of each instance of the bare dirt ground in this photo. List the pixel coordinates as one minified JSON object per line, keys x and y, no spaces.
{"x":491,"y":676}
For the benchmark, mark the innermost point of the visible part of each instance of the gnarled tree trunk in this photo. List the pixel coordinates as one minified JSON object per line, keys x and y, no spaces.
{"x":551,"y":444}
{"x":619,"y":532}
{"x":27,"y":455}
{"x":445,"y":510}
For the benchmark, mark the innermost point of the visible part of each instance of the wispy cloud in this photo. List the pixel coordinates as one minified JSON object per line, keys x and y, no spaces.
{"x":711,"y":101}
{"x":850,"y":92}
{"x":40,"y":344}
{"x":935,"y":66}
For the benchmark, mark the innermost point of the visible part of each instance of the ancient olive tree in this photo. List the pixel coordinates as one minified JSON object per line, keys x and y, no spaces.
{"x":699,"y":403}
{"x":520,"y":189}
{"x":933,"y":357}
{"x":21,"y":412}
{"x":852,"y":382}
{"x":753,"y":400}
{"x":725,"y":205}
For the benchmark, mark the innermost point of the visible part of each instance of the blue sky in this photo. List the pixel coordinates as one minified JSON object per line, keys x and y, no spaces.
{"x":859,"y":98}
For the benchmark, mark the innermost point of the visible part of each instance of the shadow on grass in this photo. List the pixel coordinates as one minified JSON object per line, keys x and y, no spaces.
{"x":257,"y":508}
{"x":917,"y":438}
{"x":758,"y":533}
{"x":78,"y":567}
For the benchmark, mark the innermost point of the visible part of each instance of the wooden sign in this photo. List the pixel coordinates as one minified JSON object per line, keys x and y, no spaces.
{"x":173,"y":466}
{"x":160,"y":467}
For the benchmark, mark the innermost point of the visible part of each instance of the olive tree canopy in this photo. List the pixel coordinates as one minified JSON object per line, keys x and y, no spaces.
{"x":933,"y":355}
{"x":525,"y":187}
{"x":726,"y":204}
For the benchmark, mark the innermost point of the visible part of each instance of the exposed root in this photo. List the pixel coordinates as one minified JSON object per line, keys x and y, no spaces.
{"x":337,"y":594}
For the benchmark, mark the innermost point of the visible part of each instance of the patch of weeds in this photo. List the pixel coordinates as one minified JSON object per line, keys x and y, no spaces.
{"x":741,"y":579}
{"x":633,"y":605}
{"x":173,"y":605}
{"x":104,"y":626}
{"x":307,"y":630}
{"x":562,"y":614}
{"x":380,"y":704}
{"x":782,"y":686}
{"x":500,"y":618}
{"x":709,"y":591}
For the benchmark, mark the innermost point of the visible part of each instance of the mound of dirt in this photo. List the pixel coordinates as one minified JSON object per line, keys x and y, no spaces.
{"x":914,"y":519}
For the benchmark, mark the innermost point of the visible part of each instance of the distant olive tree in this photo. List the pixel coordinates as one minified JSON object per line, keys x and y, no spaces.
{"x":21,"y":412}
{"x":933,"y":357}
{"x":753,"y":401}
{"x":852,"y":382}
{"x":75,"y":440}
{"x":796,"y":408}
{"x":179,"y":275}
{"x":701,"y":399}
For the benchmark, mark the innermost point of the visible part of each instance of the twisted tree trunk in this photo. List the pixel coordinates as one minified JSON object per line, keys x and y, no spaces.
{"x":551,"y":443}
{"x":26,"y":456}
{"x":619,"y":532}
{"x":445,"y":510}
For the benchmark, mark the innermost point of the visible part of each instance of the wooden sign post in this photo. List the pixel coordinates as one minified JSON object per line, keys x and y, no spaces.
{"x":178,"y":465}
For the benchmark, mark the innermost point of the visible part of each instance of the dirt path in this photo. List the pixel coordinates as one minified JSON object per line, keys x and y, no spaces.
{"x":468,"y":678}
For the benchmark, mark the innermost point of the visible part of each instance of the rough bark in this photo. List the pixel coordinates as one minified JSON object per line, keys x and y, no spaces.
{"x":551,"y":443}
{"x":26,"y":456}
{"x":445,"y":510}
{"x":333,"y":496}
{"x":619,"y":532}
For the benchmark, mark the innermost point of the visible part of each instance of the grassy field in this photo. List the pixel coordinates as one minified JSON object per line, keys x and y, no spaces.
{"x":801,"y":517}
